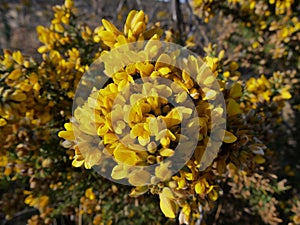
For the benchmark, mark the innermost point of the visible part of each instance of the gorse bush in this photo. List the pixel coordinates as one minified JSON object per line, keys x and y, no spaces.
{"x":47,"y":151}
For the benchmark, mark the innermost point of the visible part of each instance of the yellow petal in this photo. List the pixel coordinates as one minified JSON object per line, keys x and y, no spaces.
{"x":139,"y":17}
{"x":7,"y":171}
{"x":221,"y":55}
{"x":43,"y":49}
{"x":68,"y":135}
{"x":209,"y":80}
{"x":200,"y":187}
{"x":2,"y":122}
{"x":163,"y":172}
{"x":236,"y":91}
{"x":229,"y":137}
{"x":145,"y":68}
{"x":139,"y":178}
{"x":165,"y":142}
{"x":126,"y":156}
{"x":109,"y":138}
{"x":77,"y":163}
{"x":138,"y":28}
{"x":15,"y":74}
{"x":233,"y":108}
{"x":144,"y":141}
{"x":172,"y":118}
{"x":92,"y":158}
{"x":233,"y":66}
{"x":259,"y":159}
{"x":226,"y":74}
{"x":69,"y":4}
{"x":138,"y":130}
{"x":167,"y":204}
{"x":285,"y":94}
{"x":162,"y":60}
{"x":25,"y":86}
{"x":36,"y":87}
{"x":129,"y":19}
{"x":17,"y":56}
{"x":119,"y":172}
{"x":137,"y":191}
{"x":164,"y":70}
{"x":110,"y":27}
{"x":43,"y":201}
{"x":18,"y":96}
{"x":155,"y":125}
{"x":3,"y":161}
{"x":28,"y":200}
{"x":68,"y":126}
{"x":106,"y":36}
{"x":210,"y":94}
{"x":90,"y":194}
{"x":166,"y":152}
{"x":181,"y":97}
{"x":213,"y":195}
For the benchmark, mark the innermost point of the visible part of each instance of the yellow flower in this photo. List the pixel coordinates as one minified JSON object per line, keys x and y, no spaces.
{"x":264,"y":90}
{"x":126,"y":155}
{"x":167,"y":203}
{"x":134,"y":30}
{"x":3,"y":161}
{"x":201,"y":186}
{"x":229,"y":137}
{"x":233,"y":108}
{"x":38,"y":202}
{"x":162,"y":171}
{"x":90,"y":194}
{"x":2,"y":122}
{"x":139,"y":178}
{"x":68,"y":134}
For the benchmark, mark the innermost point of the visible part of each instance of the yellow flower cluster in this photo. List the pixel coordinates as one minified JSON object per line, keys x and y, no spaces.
{"x":203,"y":8}
{"x":206,"y":8}
{"x":22,"y":110}
{"x":271,"y":29}
{"x":34,"y":97}
{"x":134,"y":30}
{"x":260,"y":90}
{"x":285,"y":32}
{"x":281,"y":6}
{"x":39,"y":203}
{"x":144,"y":130}
{"x":56,"y":35}
{"x":17,"y":86}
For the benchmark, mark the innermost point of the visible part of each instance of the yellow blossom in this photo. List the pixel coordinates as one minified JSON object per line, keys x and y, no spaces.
{"x":90,"y":194}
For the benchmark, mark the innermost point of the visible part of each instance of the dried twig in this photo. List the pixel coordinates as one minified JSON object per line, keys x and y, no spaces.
{"x":200,"y":23}
{"x":79,"y":216}
{"x":177,"y":15}
{"x":217,"y":214}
